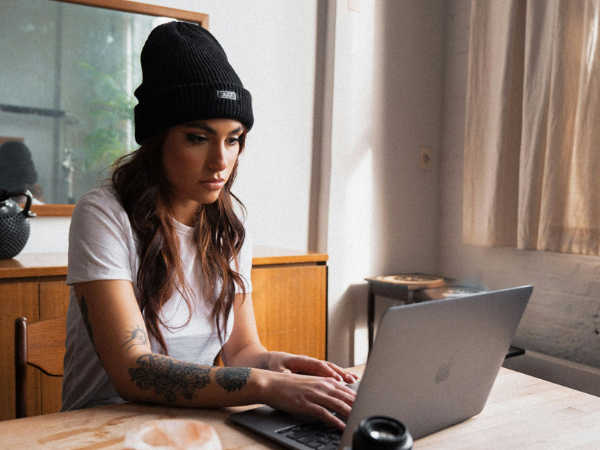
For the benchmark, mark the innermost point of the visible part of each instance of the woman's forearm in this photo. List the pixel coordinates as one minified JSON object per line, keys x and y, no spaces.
{"x":161,"y":379}
{"x":252,"y":355}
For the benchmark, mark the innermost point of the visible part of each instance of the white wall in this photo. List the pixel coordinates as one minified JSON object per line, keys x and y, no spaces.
{"x":562,"y":318}
{"x":48,"y":235}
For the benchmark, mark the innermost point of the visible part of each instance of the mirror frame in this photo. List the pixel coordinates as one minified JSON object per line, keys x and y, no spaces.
{"x":130,"y":7}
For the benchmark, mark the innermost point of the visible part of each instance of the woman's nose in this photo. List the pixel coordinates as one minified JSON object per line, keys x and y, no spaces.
{"x":218,"y":157}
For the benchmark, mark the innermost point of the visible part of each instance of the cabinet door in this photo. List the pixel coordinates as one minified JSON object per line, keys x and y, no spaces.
{"x":54,"y":301}
{"x":16,"y":300}
{"x":290,"y":304}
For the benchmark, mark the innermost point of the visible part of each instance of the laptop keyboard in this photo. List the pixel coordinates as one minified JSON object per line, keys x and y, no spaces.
{"x":314,"y":434}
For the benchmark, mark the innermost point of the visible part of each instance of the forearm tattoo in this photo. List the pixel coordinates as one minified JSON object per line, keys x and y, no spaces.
{"x":232,"y":378}
{"x":175,"y":379}
{"x":86,"y":322}
{"x":169,"y":378}
{"x":137,"y":336}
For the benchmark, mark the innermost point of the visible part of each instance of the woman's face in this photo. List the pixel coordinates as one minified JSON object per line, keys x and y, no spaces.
{"x":198,"y":158}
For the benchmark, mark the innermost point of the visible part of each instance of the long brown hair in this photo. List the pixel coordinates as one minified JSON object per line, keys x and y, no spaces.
{"x":142,"y":187}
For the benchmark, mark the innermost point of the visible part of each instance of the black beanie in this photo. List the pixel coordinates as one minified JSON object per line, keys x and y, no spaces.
{"x":186,"y":77}
{"x":16,"y":166}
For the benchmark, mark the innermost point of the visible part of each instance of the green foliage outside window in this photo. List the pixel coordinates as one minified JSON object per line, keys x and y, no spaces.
{"x":111,"y":113}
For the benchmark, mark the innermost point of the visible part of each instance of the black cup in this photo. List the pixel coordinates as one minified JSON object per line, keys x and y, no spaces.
{"x":381,"y":433}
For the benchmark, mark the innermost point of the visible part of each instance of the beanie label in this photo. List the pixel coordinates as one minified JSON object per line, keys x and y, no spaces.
{"x":229,"y":95}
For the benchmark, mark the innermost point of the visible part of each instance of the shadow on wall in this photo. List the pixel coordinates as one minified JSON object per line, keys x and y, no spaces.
{"x":411,"y":111}
{"x":318,"y":125}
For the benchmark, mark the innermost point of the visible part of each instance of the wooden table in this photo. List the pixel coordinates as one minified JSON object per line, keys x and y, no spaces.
{"x":522,"y":413}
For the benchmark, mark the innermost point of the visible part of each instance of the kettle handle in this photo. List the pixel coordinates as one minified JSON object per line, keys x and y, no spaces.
{"x":27,"y":211}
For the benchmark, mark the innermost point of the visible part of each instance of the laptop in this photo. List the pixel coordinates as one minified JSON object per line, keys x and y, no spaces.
{"x":432,"y":365}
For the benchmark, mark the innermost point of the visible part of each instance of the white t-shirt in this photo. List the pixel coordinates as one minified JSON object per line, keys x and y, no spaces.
{"x":102,"y":247}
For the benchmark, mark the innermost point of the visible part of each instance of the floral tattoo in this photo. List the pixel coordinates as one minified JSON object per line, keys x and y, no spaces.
{"x":169,"y":378}
{"x":232,"y":378}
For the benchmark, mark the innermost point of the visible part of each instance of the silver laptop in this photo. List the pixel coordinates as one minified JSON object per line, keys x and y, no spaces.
{"x":432,"y":365}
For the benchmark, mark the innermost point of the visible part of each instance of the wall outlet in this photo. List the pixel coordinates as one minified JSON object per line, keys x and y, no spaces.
{"x":425,"y":158}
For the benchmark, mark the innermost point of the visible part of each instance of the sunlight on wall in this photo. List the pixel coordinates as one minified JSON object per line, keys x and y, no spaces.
{"x":359,"y":232}
{"x":361,"y":345}
{"x":351,"y":227}
{"x":359,"y":216}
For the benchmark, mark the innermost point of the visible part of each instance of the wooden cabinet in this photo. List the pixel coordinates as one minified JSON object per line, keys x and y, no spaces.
{"x":289,"y":294}
{"x":31,"y":286}
{"x":290,"y":301}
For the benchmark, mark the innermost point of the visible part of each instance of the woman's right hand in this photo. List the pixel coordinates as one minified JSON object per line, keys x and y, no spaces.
{"x":307,"y":395}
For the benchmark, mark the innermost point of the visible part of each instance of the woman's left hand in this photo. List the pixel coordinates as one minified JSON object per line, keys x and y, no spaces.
{"x":286,"y":362}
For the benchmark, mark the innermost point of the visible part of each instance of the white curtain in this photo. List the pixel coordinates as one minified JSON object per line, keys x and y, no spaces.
{"x":532,"y":136}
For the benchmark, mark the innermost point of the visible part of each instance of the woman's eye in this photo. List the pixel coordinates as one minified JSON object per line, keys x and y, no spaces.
{"x":195,"y":138}
{"x":233,"y":141}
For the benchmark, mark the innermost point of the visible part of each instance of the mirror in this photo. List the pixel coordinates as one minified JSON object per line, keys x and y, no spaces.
{"x":68,"y":69}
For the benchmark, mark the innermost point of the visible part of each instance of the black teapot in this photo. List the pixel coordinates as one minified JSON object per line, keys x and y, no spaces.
{"x":14,"y":223}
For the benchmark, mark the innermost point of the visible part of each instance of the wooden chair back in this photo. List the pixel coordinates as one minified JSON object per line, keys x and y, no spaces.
{"x":42,"y":345}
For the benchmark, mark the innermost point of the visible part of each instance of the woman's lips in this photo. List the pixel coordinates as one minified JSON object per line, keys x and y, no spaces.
{"x":213,"y":183}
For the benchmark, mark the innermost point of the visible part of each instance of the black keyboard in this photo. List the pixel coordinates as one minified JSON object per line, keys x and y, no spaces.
{"x":314,"y":434}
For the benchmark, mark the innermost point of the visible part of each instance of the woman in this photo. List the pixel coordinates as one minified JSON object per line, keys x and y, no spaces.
{"x":159,"y":262}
